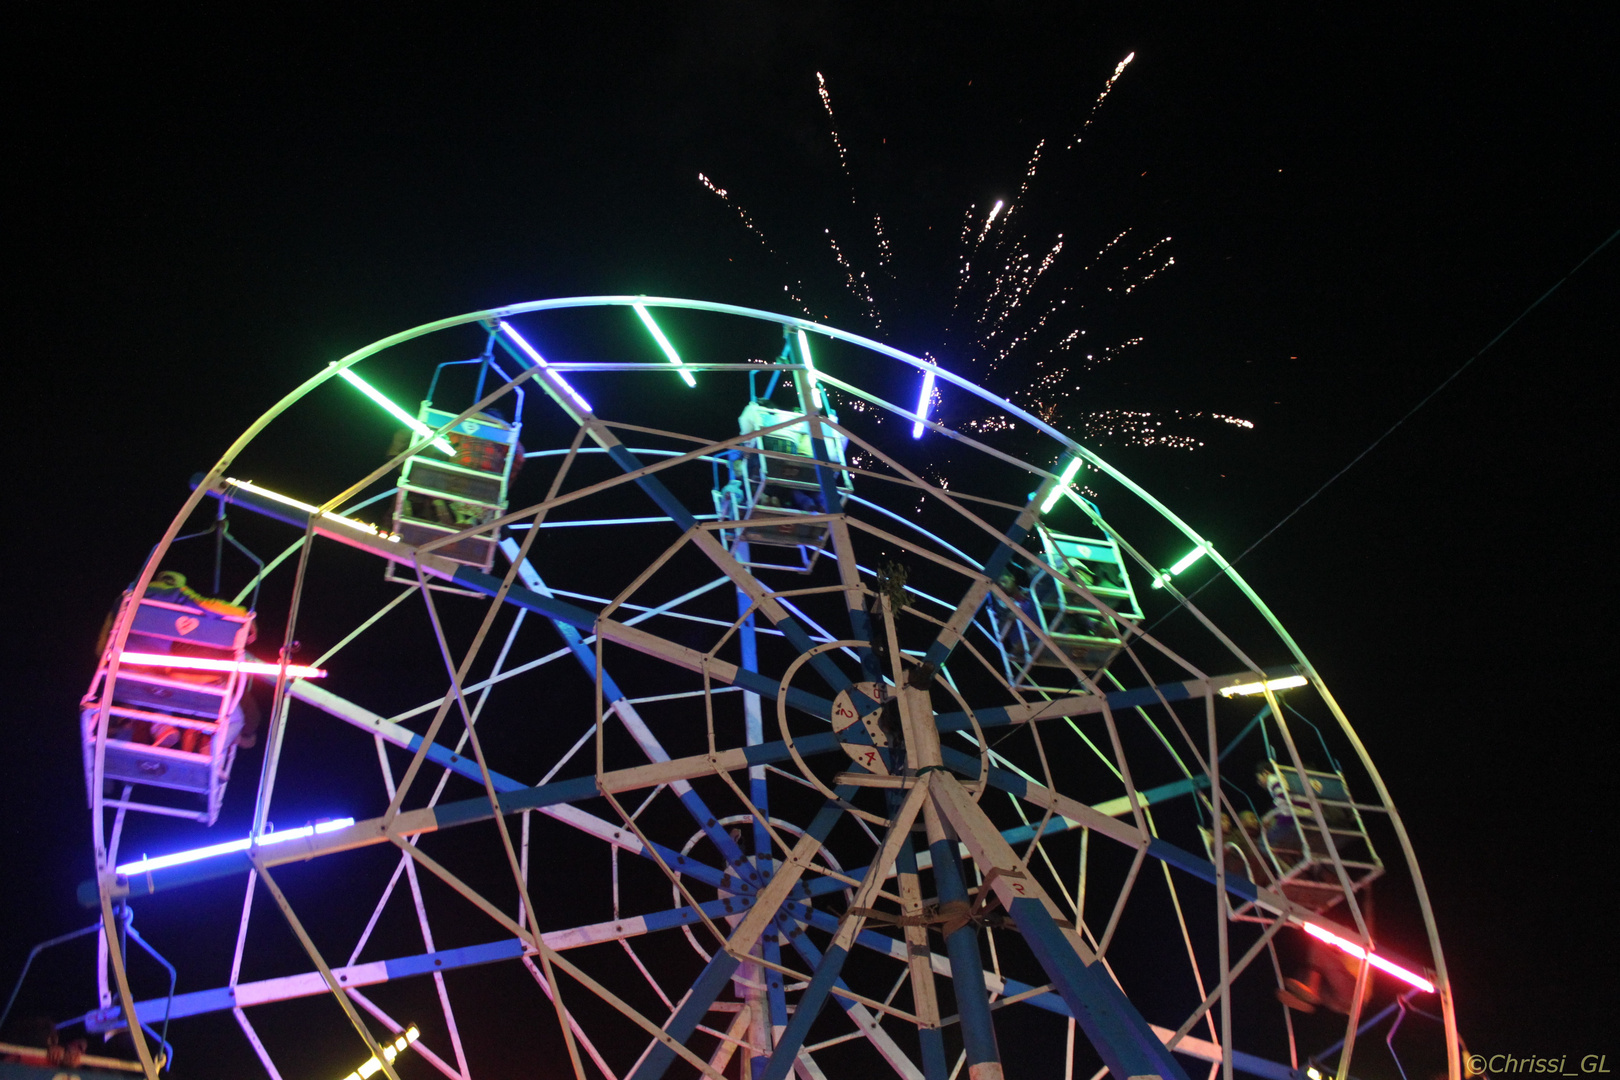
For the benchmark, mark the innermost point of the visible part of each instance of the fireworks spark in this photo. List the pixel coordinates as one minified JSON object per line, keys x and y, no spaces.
{"x":855,"y":282}
{"x":990,"y":219}
{"x":748,"y":223}
{"x":880,"y":239}
{"x":1013,"y":316}
{"x":1108,"y":88}
{"x":832,"y":128}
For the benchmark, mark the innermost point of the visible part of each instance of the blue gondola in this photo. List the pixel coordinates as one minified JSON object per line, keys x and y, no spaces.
{"x":1081,"y":629}
{"x":442,"y":494}
{"x":1292,"y":837}
{"x":773,"y":489}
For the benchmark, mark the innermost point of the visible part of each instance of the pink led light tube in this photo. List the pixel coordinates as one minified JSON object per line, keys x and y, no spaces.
{"x":202,"y":663}
{"x":1377,"y":961}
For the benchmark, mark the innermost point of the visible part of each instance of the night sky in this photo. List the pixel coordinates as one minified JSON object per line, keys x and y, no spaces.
{"x":208,"y":207}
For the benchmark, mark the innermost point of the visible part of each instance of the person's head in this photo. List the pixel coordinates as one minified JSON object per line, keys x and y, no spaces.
{"x":33,"y":1030}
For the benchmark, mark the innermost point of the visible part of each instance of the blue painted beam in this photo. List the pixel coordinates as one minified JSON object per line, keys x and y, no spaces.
{"x":679,"y":515}
{"x":677,"y":512}
{"x":682,"y":1024}
{"x":559,"y":611}
{"x":1166,"y":852}
{"x":552,"y":608}
{"x":1115,"y":1029}
{"x":512,"y":800}
{"x":811,"y":1001}
{"x":1249,"y":1064}
{"x":199,"y":1002}
{"x":962,"y":945}
{"x":998,"y":716}
{"x":693,"y":1008}
{"x":930,"y":1040}
{"x":1016,"y":534}
{"x":612,"y":695}
{"x":775,"y":995}
{"x":1152,"y":796}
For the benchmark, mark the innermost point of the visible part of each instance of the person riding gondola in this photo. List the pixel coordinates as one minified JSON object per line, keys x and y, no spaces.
{"x":170,"y":711}
{"x":1240,"y":843}
{"x":1328,"y":981}
{"x":465,"y":488}
{"x":170,"y":586}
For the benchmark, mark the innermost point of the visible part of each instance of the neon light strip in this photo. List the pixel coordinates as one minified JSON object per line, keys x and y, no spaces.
{"x":202,"y":663}
{"x":924,"y":400}
{"x":810,"y":365}
{"x":390,"y":1051}
{"x":1409,"y":977}
{"x":395,"y":411}
{"x":663,"y":343}
{"x":1287,"y":682}
{"x":804,"y":350}
{"x":1181,"y":564}
{"x":198,"y":854}
{"x":286,"y":500}
{"x":540,"y":361}
{"x":1062,"y":485}
{"x":1188,"y":559}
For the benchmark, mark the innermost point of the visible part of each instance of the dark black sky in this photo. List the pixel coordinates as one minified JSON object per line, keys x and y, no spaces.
{"x":208,"y":206}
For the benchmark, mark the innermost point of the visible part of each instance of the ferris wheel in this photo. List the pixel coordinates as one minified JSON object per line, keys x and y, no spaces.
{"x":750,"y":746}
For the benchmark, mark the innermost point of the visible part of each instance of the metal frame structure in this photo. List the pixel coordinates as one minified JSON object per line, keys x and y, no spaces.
{"x":853,"y":793}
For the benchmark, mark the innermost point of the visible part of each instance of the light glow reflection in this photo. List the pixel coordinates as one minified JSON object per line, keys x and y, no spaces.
{"x":288,"y":500}
{"x":924,"y":400}
{"x":203,"y":663}
{"x":1062,"y":485}
{"x":1181,"y":564}
{"x":398,"y":413}
{"x":390,"y":1050}
{"x":663,"y":343}
{"x":180,"y":858}
{"x":540,"y":361}
{"x":1287,"y":682}
{"x":810,"y":370}
{"x":1411,"y":978}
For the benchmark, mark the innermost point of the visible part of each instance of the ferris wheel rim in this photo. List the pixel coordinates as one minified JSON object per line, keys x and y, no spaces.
{"x":787,"y":322}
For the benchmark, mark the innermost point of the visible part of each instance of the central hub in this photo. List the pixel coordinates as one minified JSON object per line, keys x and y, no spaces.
{"x":861,"y":734}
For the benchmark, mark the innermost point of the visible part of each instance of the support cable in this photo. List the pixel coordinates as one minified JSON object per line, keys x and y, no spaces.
{"x":1449,"y":379}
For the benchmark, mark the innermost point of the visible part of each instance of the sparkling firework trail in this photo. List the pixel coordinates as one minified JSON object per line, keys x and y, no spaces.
{"x":1107,"y":89}
{"x":1146,"y":428}
{"x":832,"y":127}
{"x":988,"y":316}
{"x":884,"y":254}
{"x":855,"y":282}
{"x":748,"y":223}
{"x":1029,"y":178}
{"x":742,"y":215}
{"x":989,"y":221}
